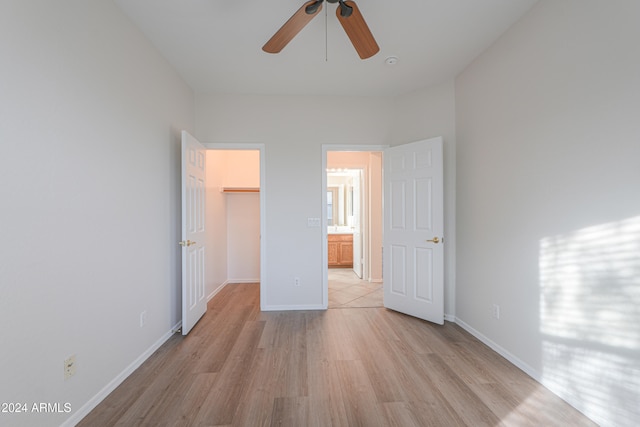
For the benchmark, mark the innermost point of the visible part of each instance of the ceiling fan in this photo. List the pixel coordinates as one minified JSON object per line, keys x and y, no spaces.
{"x":349,"y":16}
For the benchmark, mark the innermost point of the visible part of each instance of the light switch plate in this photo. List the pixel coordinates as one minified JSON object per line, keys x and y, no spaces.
{"x":313,"y":222}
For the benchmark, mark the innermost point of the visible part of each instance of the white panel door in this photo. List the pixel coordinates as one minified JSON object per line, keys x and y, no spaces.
{"x":413,"y":261}
{"x":194,"y":302}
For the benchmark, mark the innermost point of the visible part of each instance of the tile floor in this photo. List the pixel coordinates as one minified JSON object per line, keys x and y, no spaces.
{"x":347,"y":290}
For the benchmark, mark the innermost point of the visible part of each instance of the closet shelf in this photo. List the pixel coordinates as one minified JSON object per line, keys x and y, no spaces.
{"x":240,"y":190}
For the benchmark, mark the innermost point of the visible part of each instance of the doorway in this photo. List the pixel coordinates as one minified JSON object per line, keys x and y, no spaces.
{"x":352,"y":219}
{"x":235,"y":216}
{"x":413,"y":226}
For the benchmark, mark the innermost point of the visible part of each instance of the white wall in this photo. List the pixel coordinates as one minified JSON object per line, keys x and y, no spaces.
{"x":293,"y":129}
{"x":90,"y":119}
{"x":548,"y":201}
{"x":243,"y":244}
{"x":242,"y":170}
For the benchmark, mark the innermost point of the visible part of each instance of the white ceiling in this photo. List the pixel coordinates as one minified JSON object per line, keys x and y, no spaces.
{"x":216,"y":45}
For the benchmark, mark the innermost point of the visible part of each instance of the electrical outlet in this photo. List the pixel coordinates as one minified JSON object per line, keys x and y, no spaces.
{"x":69,"y":367}
{"x":143,"y":318}
{"x":496,"y":311}
{"x":296,"y":281}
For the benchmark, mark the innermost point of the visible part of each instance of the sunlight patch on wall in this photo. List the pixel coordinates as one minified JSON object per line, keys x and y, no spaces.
{"x":590,"y":319}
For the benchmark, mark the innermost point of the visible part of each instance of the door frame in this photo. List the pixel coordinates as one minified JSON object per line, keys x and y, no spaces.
{"x":324,"y":221}
{"x":241,"y":146}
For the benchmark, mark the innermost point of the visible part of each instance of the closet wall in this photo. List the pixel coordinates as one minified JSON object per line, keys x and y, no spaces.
{"x":233,"y":218}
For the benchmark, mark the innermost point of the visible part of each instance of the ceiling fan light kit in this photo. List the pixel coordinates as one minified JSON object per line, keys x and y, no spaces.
{"x":349,"y":16}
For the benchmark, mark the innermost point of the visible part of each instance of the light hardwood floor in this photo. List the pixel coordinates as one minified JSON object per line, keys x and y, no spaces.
{"x":340,"y":367}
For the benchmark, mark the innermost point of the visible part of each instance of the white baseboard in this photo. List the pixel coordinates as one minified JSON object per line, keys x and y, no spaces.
{"x":293,"y":307}
{"x":527,"y":369}
{"x":500,"y":350}
{"x":113,"y":384}
{"x":450,"y":318}
{"x":216,"y":290}
{"x":232,"y":281}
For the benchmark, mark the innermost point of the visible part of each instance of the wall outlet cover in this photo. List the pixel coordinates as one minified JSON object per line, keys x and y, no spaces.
{"x":69,"y":367}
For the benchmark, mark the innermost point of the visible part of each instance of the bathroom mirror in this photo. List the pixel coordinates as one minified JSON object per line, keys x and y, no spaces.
{"x":340,"y":199}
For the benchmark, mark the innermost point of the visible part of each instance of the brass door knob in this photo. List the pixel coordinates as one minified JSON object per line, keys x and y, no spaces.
{"x":434,"y":240}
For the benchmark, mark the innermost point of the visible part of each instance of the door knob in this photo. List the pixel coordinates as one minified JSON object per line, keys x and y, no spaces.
{"x":186,"y":243}
{"x":434,"y":240}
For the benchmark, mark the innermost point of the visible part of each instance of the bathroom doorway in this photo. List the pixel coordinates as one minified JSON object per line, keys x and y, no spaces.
{"x":352,"y":256}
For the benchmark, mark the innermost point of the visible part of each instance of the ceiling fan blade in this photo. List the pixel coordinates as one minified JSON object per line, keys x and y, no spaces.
{"x":358,"y":31}
{"x":292,"y":27}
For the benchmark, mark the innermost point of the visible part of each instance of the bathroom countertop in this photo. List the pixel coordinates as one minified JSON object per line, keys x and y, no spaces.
{"x":340,"y":230}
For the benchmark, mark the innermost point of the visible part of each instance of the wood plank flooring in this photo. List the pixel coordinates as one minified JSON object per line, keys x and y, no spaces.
{"x":340,"y":367}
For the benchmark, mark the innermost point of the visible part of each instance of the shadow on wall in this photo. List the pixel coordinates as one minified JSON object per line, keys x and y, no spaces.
{"x":590,"y":320}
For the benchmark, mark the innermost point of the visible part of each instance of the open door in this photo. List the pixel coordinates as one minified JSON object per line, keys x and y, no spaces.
{"x":413,"y":250}
{"x":194,"y":302}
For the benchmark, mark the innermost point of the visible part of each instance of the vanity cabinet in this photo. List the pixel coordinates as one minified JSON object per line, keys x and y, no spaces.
{"x":340,"y":247}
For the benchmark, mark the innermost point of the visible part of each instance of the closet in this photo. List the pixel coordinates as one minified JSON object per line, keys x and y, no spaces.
{"x":233,"y":217}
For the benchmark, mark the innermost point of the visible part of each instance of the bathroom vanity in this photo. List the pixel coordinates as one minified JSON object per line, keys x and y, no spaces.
{"x":340,"y":248}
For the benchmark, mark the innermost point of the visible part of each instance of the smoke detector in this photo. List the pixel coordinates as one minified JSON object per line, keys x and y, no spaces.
{"x":391,"y":60}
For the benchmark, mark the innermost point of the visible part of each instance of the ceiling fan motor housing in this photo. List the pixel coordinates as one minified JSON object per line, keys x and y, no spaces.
{"x":345,"y":10}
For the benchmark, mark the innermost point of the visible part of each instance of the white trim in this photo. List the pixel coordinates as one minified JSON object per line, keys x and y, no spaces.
{"x":263,"y":203}
{"x":233,"y":145}
{"x":238,"y":281}
{"x":216,"y":290}
{"x":354,"y":147}
{"x":113,"y":384}
{"x":294,"y":307}
{"x":450,"y":318}
{"x":527,"y":369}
{"x":501,"y":351}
